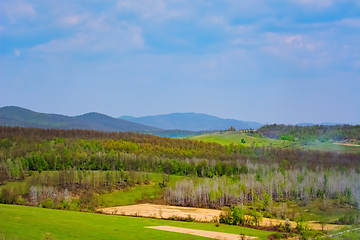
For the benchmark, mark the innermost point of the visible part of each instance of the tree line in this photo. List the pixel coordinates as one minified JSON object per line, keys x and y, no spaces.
{"x":24,"y":149}
{"x":264,"y":184}
{"x":311,"y":133}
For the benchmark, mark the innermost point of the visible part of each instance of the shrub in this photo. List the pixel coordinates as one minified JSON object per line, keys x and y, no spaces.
{"x":238,"y":216}
{"x":303,"y":228}
{"x":19,"y":201}
{"x":7,"y":196}
{"x":256,"y":217}
{"x":278,"y":235}
{"x":347,"y":220}
{"x":48,"y":236}
{"x":242,"y":236}
{"x":65,"y":205}
{"x":74,"y":206}
{"x":47,"y":203}
{"x":225,"y":216}
{"x":287,"y":225}
{"x":189,"y":219}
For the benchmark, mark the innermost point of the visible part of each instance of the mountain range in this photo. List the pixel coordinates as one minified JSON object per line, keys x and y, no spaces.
{"x":16,"y":116}
{"x":191,"y":122}
{"x":174,"y":124}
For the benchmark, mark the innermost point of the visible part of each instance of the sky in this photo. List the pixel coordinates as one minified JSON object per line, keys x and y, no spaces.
{"x":269,"y":61}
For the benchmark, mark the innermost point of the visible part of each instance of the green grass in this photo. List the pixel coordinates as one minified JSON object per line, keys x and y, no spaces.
{"x":312,"y":211}
{"x":227,"y":138}
{"x":127,"y":196}
{"x":326,"y":146}
{"x":147,"y":193}
{"x":23,"y":222}
{"x":130,"y":195}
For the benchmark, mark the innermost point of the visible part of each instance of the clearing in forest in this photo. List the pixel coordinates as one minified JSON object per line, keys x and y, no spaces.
{"x":200,"y":214}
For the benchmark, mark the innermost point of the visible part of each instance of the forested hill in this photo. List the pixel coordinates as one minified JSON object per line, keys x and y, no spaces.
{"x":56,"y":149}
{"x":312,"y":133}
{"x":16,"y":116}
{"x":191,"y":122}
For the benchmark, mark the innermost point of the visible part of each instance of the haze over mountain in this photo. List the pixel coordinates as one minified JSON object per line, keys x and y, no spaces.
{"x":17,"y":116}
{"x":191,"y":122}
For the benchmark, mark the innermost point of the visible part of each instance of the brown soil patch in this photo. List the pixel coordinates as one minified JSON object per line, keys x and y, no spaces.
{"x":347,"y":144}
{"x":200,"y":214}
{"x":202,"y":233}
{"x":164,"y":211}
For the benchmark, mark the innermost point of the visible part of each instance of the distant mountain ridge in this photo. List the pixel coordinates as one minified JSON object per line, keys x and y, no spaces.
{"x":191,"y":122}
{"x":17,"y":116}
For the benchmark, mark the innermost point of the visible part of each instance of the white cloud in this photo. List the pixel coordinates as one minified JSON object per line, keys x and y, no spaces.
{"x":73,"y":20}
{"x":310,"y":46}
{"x":62,"y":45}
{"x":316,"y":3}
{"x":99,"y":24}
{"x":304,"y":51}
{"x":215,"y":20}
{"x":349,"y":22}
{"x":149,"y":8}
{"x":17,"y":52}
{"x":296,"y":40}
{"x":97,"y":35}
{"x":17,"y":9}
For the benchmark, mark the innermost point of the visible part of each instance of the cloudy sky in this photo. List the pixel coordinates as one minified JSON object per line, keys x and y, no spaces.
{"x":283,"y":61}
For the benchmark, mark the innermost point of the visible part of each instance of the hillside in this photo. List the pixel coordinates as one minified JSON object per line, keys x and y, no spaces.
{"x":323,"y":133}
{"x":258,"y":140}
{"x":177,"y":133}
{"x":191,"y":122}
{"x":226,"y":138}
{"x":17,"y":116}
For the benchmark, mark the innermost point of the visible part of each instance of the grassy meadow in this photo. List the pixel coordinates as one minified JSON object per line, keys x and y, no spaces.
{"x":235,"y":137}
{"x":22,"y":222}
{"x":226,"y":138}
{"x":139,"y":193}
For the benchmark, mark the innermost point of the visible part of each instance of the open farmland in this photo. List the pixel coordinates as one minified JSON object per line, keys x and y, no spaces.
{"x":22,"y":222}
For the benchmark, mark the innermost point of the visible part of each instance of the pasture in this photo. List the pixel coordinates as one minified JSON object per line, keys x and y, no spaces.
{"x":22,"y":222}
{"x":226,"y":138}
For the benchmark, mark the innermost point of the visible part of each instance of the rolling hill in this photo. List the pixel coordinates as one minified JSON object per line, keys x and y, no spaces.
{"x":17,"y":116}
{"x":191,"y":122}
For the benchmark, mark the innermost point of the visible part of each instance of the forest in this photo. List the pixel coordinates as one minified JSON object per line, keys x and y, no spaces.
{"x":23,"y":149}
{"x":321,"y":133}
{"x":59,"y":165}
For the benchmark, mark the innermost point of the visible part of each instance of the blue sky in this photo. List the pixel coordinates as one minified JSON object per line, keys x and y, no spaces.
{"x":262,"y":60}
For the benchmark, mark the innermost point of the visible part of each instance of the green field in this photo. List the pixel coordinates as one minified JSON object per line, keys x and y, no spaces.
{"x":130,"y":195}
{"x":226,"y":138}
{"x":21,"y":222}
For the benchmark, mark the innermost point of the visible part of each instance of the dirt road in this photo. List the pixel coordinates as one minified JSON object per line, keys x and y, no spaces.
{"x":202,"y":233}
{"x":348,"y":144}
